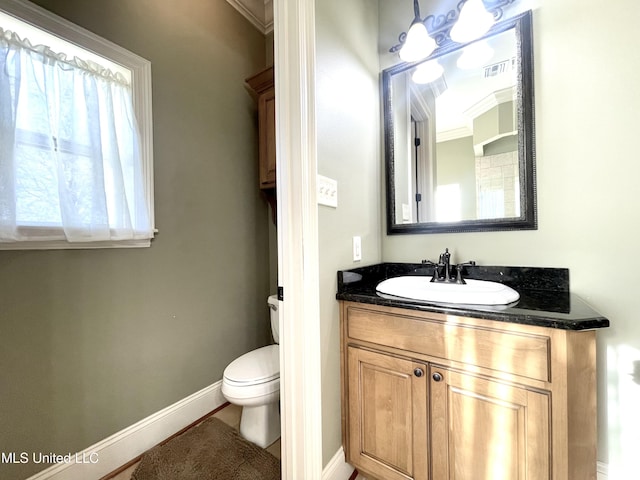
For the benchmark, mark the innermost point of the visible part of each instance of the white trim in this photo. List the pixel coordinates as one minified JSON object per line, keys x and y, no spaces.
{"x":337,"y":468}
{"x":258,"y":12}
{"x":125,"y":445}
{"x":453,"y":134}
{"x":492,"y":100}
{"x":603,"y":471}
{"x":298,"y":263}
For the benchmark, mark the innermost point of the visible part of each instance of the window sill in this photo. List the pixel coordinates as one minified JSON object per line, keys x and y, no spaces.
{"x":64,"y":245}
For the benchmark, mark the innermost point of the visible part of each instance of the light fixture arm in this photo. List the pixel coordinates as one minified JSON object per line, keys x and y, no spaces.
{"x":439,"y":26}
{"x":416,"y":12}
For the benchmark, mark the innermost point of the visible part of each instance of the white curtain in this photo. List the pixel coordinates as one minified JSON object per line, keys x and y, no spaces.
{"x":70,"y":165}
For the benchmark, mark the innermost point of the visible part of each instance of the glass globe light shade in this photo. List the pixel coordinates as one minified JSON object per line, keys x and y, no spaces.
{"x":427,"y":72}
{"x":475,"y":55}
{"x":474,"y":22}
{"x":418,"y":44}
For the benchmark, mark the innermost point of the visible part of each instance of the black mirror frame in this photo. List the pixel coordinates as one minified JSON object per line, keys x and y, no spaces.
{"x":526,"y":140}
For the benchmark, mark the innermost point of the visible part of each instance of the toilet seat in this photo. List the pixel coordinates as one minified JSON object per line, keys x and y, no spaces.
{"x":254,"y":374}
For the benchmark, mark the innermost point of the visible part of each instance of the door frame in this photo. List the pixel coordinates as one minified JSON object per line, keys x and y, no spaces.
{"x":298,"y":264}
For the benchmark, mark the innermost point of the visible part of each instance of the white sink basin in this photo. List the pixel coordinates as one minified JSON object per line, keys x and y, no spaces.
{"x":474,"y":292}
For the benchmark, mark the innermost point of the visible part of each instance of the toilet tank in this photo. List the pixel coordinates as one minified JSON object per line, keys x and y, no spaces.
{"x":274,"y":304}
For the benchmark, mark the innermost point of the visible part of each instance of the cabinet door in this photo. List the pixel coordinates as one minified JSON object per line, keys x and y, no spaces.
{"x":387,"y":415}
{"x":486,"y":430}
{"x":267,"y":114}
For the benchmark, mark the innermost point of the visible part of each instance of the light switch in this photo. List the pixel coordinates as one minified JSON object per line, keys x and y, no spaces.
{"x":327,"y":191}
{"x":357,"y":249}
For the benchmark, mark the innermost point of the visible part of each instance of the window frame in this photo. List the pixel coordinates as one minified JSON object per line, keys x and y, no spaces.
{"x":140,"y":69}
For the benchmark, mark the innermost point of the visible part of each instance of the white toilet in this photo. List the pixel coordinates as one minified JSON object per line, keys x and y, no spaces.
{"x":253,"y":381}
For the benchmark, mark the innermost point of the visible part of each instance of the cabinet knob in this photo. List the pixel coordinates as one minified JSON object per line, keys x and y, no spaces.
{"x":418,"y":372}
{"x":437,"y":377}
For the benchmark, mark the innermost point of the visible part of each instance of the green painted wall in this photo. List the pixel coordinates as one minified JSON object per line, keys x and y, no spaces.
{"x":93,"y":341}
{"x":348,"y":135}
{"x":456,"y":164}
{"x":497,"y":121}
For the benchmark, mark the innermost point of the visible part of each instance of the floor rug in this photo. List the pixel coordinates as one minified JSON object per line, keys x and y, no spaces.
{"x":210,"y":451}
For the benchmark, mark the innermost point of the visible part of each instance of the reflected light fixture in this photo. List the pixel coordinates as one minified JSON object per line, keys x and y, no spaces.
{"x":427,"y":72}
{"x":417,"y":44}
{"x":470,"y":20}
{"x":474,"y":21}
{"x":475,"y":55}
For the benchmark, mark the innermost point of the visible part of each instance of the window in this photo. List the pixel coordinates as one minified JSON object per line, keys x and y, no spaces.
{"x":75,"y":136}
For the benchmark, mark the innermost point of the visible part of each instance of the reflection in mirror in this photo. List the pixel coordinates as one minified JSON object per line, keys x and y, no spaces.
{"x":459,"y":136}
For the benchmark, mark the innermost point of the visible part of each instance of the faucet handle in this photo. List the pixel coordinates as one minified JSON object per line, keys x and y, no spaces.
{"x":470,"y":263}
{"x":459,"y":268}
{"x":435,"y":266}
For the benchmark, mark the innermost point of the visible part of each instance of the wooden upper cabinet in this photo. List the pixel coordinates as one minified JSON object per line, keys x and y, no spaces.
{"x":262,"y":84}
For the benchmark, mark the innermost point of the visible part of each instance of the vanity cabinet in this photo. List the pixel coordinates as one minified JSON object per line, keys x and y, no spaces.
{"x":387,"y":413}
{"x":487,"y":429}
{"x":262,"y":84}
{"x":431,"y":396}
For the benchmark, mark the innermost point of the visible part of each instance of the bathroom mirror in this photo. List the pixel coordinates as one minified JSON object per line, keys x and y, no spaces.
{"x":459,"y":146}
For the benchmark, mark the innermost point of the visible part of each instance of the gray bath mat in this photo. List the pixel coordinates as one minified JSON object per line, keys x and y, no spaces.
{"x":210,"y":451}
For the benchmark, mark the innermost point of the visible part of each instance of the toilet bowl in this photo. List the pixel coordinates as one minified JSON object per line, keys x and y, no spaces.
{"x":253,"y":382}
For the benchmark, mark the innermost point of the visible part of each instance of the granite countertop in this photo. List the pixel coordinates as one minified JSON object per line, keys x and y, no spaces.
{"x":545,"y":299}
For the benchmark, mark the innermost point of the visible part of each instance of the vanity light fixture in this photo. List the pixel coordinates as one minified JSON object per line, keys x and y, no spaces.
{"x":473,"y":23}
{"x":475,"y":55}
{"x":470,"y":20}
{"x":418,"y":44}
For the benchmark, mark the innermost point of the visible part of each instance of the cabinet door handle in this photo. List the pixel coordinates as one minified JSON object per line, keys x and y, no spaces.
{"x":418,"y":372}
{"x":437,"y":377}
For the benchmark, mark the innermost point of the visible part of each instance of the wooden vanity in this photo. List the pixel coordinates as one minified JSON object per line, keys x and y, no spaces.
{"x":428,"y":395}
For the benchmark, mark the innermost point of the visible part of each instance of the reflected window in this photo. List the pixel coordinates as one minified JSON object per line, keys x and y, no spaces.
{"x":448,"y":203}
{"x":497,"y":186}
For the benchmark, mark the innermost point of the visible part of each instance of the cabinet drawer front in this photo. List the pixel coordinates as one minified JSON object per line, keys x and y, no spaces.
{"x":521,"y":354}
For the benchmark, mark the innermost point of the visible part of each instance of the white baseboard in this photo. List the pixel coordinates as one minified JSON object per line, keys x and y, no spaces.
{"x":111,"y":453}
{"x":343,"y":470}
{"x":603,"y":471}
{"x":337,"y":468}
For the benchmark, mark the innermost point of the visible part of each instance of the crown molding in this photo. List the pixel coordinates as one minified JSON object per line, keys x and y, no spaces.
{"x":490,"y":101}
{"x":258,"y":12}
{"x":453,"y":134}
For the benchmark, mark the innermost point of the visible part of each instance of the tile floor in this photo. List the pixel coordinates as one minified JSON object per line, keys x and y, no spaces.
{"x":229,"y":415}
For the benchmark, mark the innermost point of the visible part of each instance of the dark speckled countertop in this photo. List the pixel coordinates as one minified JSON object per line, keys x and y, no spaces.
{"x":545,"y":299}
